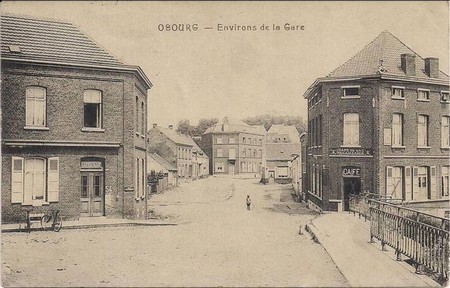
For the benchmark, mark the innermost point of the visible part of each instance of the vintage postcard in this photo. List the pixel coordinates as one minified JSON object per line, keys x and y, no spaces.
{"x":224,"y":144}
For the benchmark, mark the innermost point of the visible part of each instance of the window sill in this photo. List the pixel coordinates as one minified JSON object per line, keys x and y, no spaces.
{"x":138,"y":134}
{"x":36,"y":128}
{"x":35,"y":203}
{"x":398,"y":147}
{"x":142,"y":136}
{"x":87,"y":129}
{"x":351,"y":97}
{"x":445,"y":102}
{"x":423,"y":100}
{"x":397,"y":98}
{"x":350,"y":146}
{"x":423,"y":147}
{"x":445,"y":148}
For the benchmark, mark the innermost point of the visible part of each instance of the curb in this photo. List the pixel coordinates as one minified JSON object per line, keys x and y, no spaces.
{"x":87,"y":226}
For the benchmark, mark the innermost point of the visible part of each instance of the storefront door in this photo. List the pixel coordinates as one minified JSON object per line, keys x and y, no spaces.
{"x":351,"y":178}
{"x":92,"y":194}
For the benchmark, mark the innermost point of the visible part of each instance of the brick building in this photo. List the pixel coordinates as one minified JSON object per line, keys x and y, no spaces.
{"x":234,"y":147}
{"x":73,"y":124}
{"x":379,"y":123}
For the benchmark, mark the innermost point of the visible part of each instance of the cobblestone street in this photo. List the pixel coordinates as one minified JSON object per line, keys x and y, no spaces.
{"x":217,"y":243}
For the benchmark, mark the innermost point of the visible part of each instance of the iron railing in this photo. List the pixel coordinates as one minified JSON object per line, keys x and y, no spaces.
{"x":420,"y":236}
{"x":359,"y":203}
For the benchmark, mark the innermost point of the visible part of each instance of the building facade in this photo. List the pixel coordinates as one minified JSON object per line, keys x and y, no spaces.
{"x":161,"y":175}
{"x":73,"y":123}
{"x":379,"y":124}
{"x":234,"y":147}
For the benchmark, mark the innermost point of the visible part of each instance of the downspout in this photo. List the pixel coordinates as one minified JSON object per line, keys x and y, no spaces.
{"x":123,"y":150}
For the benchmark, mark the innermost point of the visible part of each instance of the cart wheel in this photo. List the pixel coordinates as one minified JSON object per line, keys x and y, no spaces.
{"x":57,"y":224}
{"x":45,"y":222}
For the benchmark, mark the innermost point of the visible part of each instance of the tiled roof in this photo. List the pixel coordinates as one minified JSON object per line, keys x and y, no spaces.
{"x":281,"y":151}
{"x":50,"y":40}
{"x":163,"y":162}
{"x":230,"y":125}
{"x":176,"y":137}
{"x":385,"y":47}
{"x":285,"y":130}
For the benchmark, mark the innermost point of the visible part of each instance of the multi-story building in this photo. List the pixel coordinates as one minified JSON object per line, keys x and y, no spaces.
{"x":379,"y":123}
{"x":73,"y":124}
{"x":282,"y":147}
{"x":234,"y":147}
{"x":173,"y":146}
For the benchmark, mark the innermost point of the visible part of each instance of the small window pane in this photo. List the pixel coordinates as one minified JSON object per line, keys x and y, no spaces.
{"x":351,"y":91}
{"x":91,"y":115}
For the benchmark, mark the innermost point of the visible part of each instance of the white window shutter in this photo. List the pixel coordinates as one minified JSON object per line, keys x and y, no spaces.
{"x":433,"y":192}
{"x":415,"y":183}
{"x":408,"y":192}
{"x":389,"y":182}
{"x":53,"y":179}
{"x":17,"y":180}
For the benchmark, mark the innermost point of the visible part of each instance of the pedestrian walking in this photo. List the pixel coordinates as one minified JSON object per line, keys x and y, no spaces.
{"x":248,"y":201}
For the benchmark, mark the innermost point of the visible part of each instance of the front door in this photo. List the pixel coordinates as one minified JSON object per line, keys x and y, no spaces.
{"x":92,"y":193}
{"x":231,"y":169}
{"x":352,"y":185}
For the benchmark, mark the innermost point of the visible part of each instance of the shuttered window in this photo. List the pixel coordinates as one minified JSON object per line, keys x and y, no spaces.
{"x":397,"y":129}
{"x":394,"y":182}
{"x":445,"y":180}
{"x":445,"y":131}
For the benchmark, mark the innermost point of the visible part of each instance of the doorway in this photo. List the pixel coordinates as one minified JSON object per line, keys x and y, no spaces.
{"x":92,"y":194}
{"x":351,"y":186}
{"x":231,"y":169}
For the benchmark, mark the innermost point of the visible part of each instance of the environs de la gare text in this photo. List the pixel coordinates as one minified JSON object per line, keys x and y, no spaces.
{"x":183,"y":27}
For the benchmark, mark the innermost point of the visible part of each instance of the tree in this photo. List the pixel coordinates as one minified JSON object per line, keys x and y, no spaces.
{"x":184,"y":127}
{"x":204,"y":124}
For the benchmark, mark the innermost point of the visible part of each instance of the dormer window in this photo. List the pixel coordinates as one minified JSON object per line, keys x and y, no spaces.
{"x":350,"y":91}
{"x":445,"y":97}
{"x":398,"y":92}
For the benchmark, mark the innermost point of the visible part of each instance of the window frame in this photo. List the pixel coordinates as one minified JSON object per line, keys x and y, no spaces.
{"x":354,"y":132}
{"x":445,"y":129}
{"x":396,"y":88}
{"x":397,"y":126}
{"x":351,"y":96}
{"x":99,"y":116}
{"x":421,"y":90}
{"x":28,"y":98}
{"x":426,"y":132}
{"x":442,"y":93}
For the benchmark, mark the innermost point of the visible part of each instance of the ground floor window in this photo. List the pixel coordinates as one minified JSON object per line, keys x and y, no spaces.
{"x":34,"y":180}
{"x":394,"y":182}
{"x":445,"y":180}
{"x":219,"y":167}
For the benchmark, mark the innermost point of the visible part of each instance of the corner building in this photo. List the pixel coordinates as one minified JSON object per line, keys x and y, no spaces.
{"x":73,"y":124}
{"x":379,"y":123}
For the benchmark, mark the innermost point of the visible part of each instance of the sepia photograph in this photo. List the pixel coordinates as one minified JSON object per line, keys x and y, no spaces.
{"x":225,"y":143}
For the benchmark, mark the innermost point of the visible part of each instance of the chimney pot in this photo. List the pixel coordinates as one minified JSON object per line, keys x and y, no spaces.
{"x":408,"y":63}
{"x":432,"y":67}
{"x":154,"y":125}
{"x":171,"y":126}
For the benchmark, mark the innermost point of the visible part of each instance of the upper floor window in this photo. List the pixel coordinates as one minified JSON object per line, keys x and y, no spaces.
{"x":445,"y":131}
{"x":351,"y":129}
{"x":92,"y":109}
{"x":423,"y":95}
{"x":231,"y":140}
{"x":397,"y":129}
{"x":350,"y":91}
{"x":138,"y":120}
{"x":398,"y":92}
{"x":219,"y":140}
{"x":219,"y":153}
{"x":142,"y":119}
{"x":36,"y":98}
{"x":445,"y":97}
{"x":422,"y":131}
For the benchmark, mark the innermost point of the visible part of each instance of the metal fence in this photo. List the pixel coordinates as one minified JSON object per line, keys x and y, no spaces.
{"x":359,"y":203}
{"x":420,"y":236}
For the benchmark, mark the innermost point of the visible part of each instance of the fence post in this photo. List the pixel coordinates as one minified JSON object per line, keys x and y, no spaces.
{"x":398,"y":233}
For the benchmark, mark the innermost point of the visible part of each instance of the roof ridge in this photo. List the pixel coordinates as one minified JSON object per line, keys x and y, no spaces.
{"x":359,"y":51}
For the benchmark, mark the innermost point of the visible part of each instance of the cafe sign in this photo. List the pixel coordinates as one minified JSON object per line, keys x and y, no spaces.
{"x":350,"y":152}
{"x":351,"y":172}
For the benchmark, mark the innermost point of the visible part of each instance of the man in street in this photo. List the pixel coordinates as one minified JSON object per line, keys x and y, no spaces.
{"x":248,"y":201}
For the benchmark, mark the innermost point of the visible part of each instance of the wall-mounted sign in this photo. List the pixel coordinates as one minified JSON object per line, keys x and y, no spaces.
{"x":351,"y":151}
{"x":91,"y":165}
{"x":351,"y":172}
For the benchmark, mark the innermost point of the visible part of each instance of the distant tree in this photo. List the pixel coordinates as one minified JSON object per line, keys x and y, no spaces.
{"x":184,"y":126}
{"x":204,"y":124}
{"x":268,"y":120}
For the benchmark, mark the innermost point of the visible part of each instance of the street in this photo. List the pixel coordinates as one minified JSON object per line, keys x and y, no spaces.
{"x":217,"y":242}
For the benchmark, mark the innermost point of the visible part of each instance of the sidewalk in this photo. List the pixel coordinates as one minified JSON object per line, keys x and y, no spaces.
{"x":346,"y":239}
{"x":90,"y":222}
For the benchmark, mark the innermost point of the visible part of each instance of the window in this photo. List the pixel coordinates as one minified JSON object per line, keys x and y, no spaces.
{"x":445,"y":132}
{"x":219,"y":167}
{"x":398,"y":92}
{"x":36,"y":98}
{"x":138,"y":119}
{"x":92,"y":109}
{"x":231,"y":153}
{"x":397,"y":129}
{"x":351,"y":129}
{"x":445,"y":96}
{"x":243,"y":152}
{"x":422,"y":131}
{"x":231,"y":140}
{"x":394,"y":182}
{"x":423,"y":95}
{"x":142,"y":119}
{"x":444,"y":180}
{"x":140,"y":178}
{"x":350,"y":91}
{"x":219,"y":140}
{"x":219,"y":153}
{"x":34,"y":180}
{"x":243,"y":140}
{"x":421,"y":183}
{"x":143,"y":178}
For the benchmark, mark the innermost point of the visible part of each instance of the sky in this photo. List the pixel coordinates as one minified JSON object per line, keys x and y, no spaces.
{"x":212,"y":74}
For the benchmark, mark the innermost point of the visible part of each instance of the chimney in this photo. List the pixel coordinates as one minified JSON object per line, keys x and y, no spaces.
{"x":432,"y":67}
{"x":171,"y":127}
{"x":408,"y":62}
{"x":154,"y":125}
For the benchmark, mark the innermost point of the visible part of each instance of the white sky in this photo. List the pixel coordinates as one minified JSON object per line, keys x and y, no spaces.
{"x":238,"y":74}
